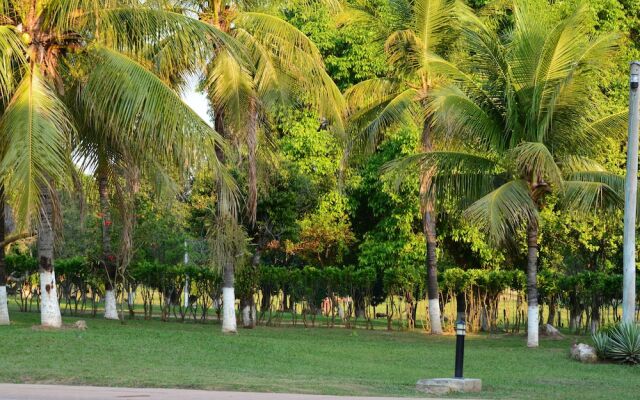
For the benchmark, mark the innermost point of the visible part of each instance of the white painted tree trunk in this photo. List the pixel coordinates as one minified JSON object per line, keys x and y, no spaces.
{"x":131,"y":297}
{"x":110,"y":305}
{"x":4,"y":309}
{"x":246,"y":316}
{"x":186,"y":292}
{"x":229,"y":324}
{"x":49,"y":306}
{"x":340,"y":310}
{"x":434,"y":317}
{"x":533,"y":322}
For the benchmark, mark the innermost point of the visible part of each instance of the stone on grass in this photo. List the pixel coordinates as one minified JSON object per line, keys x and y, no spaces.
{"x":449,"y":385}
{"x":550,"y":331}
{"x":80,"y":324}
{"x":584,"y":353}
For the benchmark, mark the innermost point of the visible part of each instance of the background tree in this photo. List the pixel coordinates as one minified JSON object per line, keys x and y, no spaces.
{"x":62,"y":56}
{"x":413,"y":33}
{"x":527,"y":123}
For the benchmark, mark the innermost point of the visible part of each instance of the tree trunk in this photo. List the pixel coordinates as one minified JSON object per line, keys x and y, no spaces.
{"x":532,"y":285}
{"x":429,"y":229}
{"x":228,"y":301}
{"x":252,"y":173}
{"x":248,"y":304}
{"x":552,"y":311}
{"x":108,"y":258}
{"x":229,"y":324}
{"x":4,"y":308}
{"x":49,"y":306}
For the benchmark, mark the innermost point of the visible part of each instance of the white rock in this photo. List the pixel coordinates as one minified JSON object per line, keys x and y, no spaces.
{"x":551,"y":331}
{"x":80,"y":324}
{"x":584,"y":353}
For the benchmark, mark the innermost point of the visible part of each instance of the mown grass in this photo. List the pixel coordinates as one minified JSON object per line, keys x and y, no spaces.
{"x":317,"y":360}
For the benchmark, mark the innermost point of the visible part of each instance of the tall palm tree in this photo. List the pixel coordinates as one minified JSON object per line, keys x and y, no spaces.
{"x":414,"y":34}
{"x":64,"y":55}
{"x":281,"y":68}
{"x":524,"y":125}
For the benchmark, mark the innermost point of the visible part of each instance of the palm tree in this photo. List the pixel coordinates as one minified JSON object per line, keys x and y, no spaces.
{"x":523,"y":125}
{"x":414,"y":34}
{"x":68,"y":55}
{"x":281,"y":68}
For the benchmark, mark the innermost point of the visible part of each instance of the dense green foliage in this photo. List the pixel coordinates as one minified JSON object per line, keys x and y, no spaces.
{"x":327,"y":224}
{"x":620,"y":343}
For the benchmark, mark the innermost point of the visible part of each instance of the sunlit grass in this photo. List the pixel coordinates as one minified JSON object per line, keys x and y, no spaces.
{"x":318,"y":360}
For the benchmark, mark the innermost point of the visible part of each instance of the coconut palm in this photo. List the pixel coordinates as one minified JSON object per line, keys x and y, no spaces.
{"x":281,"y":68}
{"x":66,"y":55}
{"x":413,"y":35}
{"x":523,"y":126}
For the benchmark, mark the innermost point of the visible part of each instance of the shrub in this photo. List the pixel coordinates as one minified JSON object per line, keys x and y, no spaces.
{"x":624,"y":344}
{"x":601,"y":342}
{"x":620,"y":343}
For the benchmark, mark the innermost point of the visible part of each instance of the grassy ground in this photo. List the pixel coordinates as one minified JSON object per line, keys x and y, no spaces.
{"x":319,"y":360}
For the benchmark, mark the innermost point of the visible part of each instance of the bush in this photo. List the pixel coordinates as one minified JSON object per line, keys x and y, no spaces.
{"x":624,"y":344}
{"x":620,"y":344}
{"x":601,"y":343}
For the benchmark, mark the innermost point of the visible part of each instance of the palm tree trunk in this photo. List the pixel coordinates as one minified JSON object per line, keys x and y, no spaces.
{"x":4,"y":309}
{"x":429,"y":229}
{"x":532,"y":286}
{"x":252,"y":176}
{"x":49,"y":306}
{"x":108,"y":259}
{"x":229,"y":324}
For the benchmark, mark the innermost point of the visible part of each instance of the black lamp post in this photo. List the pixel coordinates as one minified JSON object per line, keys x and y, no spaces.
{"x":461,"y":331}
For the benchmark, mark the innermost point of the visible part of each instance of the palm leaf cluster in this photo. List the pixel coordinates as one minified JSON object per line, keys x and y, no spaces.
{"x":521,"y":123}
{"x":78,"y":77}
{"x":280,"y":68}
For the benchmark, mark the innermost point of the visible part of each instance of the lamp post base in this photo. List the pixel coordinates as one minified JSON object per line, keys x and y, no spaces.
{"x":449,"y":385}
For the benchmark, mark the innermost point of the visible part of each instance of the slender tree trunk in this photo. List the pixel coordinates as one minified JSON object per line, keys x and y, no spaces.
{"x":229,"y":324}
{"x":248,"y":304}
{"x":429,"y":229}
{"x":532,"y":285}
{"x":4,"y":309}
{"x":108,"y":258}
{"x":252,"y":174}
{"x":552,"y":311}
{"x":49,"y":306}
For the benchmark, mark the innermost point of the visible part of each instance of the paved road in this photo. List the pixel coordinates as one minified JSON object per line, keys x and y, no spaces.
{"x":62,"y":392}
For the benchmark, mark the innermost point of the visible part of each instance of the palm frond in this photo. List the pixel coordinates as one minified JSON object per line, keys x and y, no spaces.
{"x":370,"y":124}
{"x":123,"y":97}
{"x":12,"y":59}
{"x":458,"y":114}
{"x":505,"y":210}
{"x":613,"y":125}
{"x":534,"y":161}
{"x":433,"y":19}
{"x":176,"y":43}
{"x":36,"y":127}
{"x":456,"y":174}
{"x":230,"y":86}
{"x":591,"y":196}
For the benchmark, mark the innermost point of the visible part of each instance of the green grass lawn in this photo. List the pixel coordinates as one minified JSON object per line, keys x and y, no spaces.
{"x":318,"y":360}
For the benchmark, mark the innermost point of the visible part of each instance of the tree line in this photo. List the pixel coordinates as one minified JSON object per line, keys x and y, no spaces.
{"x":407,"y":139}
